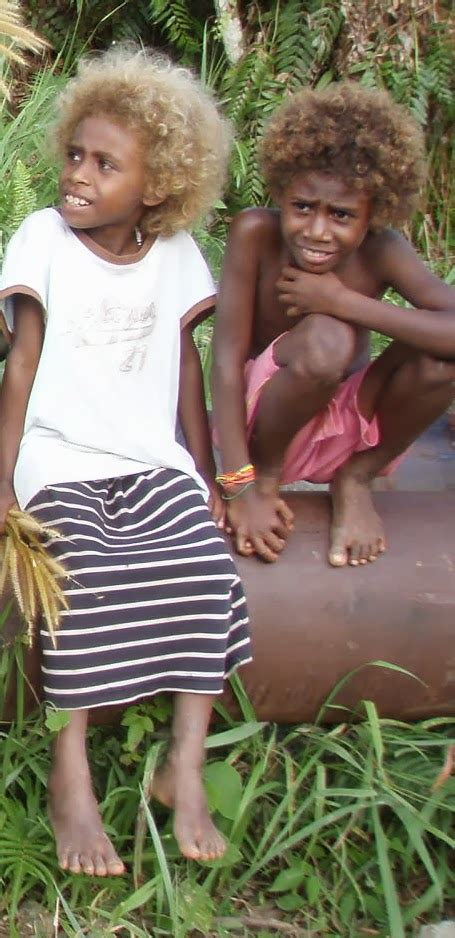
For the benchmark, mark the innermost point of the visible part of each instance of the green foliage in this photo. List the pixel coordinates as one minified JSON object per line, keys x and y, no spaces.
{"x":76,"y":26}
{"x":179,"y":27}
{"x":336,"y":830}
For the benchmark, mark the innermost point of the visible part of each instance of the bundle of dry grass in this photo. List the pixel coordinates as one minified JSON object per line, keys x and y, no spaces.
{"x":31,"y":571}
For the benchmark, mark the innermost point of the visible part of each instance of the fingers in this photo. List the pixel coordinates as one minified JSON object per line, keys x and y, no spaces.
{"x":268,"y":547}
{"x":285,"y":513}
{"x":243,"y":545}
{"x":217,"y":510}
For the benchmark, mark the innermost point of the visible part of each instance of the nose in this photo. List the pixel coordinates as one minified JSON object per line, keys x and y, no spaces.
{"x":79,"y":172}
{"x":319,"y":229}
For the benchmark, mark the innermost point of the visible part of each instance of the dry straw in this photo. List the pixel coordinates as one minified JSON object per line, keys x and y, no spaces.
{"x":32,"y":572}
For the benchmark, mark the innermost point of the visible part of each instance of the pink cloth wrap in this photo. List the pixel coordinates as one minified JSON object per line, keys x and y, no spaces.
{"x":329,"y":438}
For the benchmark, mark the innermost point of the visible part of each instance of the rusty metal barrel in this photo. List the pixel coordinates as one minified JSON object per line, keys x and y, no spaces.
{"x":313,"y":624}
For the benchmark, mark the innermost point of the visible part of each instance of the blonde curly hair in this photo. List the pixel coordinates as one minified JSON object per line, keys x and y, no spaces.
{"x":357,"y":134}
{"x":185,"y":139}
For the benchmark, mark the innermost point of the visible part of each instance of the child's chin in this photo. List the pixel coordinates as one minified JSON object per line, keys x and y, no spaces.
{"x":75,"y":217}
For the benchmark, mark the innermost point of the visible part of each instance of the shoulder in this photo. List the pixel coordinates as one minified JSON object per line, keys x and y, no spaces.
{"x":37,"y":232}
{"x":255,"y":223}
{"x":254,"y":236}
{"x":44,"y":222}
{"x":385,"y":246}
{"x":181,"y":246}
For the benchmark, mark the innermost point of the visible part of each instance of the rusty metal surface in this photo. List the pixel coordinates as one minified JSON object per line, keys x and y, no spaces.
{"x":312,"y":624}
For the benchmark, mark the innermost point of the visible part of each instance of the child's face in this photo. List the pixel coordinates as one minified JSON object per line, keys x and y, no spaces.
{"x":102,"y":182}
{"x":323,"y":221}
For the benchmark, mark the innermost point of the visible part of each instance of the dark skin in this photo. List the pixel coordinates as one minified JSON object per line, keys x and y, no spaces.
{"x":315,"y":271}
{"x":104,"y":197}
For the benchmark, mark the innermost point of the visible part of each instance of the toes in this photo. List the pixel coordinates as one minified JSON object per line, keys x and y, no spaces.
{"x":115,"y":867}
{"x":86,"y":864}
{"x":338,"y":555}
{"x":74,"y":862}
{"x":63,"y":859}
{"x":99,"y":865}
{"x":203,"y":850}
{"x":190,"y":850}
{"x":219,"y":848}
{"x":364,"y":552}
{"x":213,"y":849}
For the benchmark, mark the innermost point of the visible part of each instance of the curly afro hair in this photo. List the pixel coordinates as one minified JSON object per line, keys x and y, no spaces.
{"x":357,"y":134}
{"x":185,"y":140}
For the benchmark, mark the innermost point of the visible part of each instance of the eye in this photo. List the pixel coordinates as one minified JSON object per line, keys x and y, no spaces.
{"x":74,"y":156}
{"x":301,"y":206}
{"x":105,"y":165}
{"x":341,"y":214}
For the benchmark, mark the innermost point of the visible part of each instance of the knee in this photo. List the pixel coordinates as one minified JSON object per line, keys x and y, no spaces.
{"x":323,"y":349}
{"x":434,"y":374}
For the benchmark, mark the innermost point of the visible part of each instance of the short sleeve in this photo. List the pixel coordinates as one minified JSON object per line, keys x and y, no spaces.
{"x":199,"y":290}
{"x":27,"y":261}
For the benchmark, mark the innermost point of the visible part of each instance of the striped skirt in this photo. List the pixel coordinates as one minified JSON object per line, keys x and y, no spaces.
{"x":155,"y":600}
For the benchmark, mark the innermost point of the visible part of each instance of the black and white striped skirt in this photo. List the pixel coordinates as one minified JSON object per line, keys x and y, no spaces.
{"x":155,"y":600}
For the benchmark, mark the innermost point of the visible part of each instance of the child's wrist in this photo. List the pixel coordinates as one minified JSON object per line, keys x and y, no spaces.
{"x":229,"y":481}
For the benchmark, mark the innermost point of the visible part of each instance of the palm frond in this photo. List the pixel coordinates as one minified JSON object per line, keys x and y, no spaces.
{"x":32,"y":572}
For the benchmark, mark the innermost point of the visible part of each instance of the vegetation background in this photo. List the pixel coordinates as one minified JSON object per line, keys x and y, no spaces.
{"x":345,"y":831}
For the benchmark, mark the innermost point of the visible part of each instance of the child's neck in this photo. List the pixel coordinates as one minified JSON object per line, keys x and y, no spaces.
{"x":116,"y":241}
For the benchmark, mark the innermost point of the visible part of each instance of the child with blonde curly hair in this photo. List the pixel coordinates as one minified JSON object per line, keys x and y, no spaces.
{"x":101,"y":295}
{"x":293,"y":388}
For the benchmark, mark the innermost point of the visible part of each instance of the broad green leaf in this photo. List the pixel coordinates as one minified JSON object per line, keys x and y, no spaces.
{"x":290,"y":902}
{"x":224,"y":788}
{"x":137,"y":899}
{"x":290,"y":878}
{"x":313,"y":888}
{"x":56,"y":720}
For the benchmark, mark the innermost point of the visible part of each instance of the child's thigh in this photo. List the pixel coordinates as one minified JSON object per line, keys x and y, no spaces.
{"x":379,"y":374}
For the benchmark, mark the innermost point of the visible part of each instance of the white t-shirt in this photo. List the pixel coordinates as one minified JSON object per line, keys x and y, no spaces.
{"x":104,"y":400}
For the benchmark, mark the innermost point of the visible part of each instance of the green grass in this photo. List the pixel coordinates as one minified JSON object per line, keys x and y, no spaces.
{"x":332,"y":831}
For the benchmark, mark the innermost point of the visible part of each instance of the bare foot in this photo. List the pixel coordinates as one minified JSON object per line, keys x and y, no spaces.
{"x":356,"y":533}
{"x":82,"y":845}
{"x":181,"y":788}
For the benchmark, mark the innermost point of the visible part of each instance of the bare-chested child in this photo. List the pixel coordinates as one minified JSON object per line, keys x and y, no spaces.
{"x":294,"y":392}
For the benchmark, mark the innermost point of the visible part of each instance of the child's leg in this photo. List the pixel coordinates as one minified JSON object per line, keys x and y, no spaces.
{"x":407,"y":391}
{"x":313,"y":358}
{"x":82,"y":845}
{"x":178,"y":784}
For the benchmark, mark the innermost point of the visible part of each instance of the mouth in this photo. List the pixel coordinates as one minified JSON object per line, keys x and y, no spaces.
{"x":75,"y":200}
{"x":315,"y":255}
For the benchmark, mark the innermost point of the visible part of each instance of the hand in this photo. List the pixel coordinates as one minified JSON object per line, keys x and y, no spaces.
{"x":260,"y":524}
{"x":305,"y":293}
{"x":7,"y":501}
{"x":216,"y":505}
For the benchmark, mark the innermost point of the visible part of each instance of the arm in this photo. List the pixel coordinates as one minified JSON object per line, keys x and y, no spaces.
{"x":232,"y":339}
{"x":193,"y":419}
{"x":260,"y":523}
{"x":20,"y":370}
{"x":428,"y":327}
